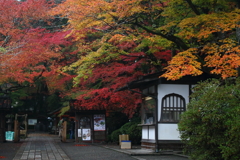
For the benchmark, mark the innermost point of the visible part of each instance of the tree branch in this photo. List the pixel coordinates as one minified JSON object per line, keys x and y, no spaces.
{"x":193,"y":7}
{"x":172,"y":38}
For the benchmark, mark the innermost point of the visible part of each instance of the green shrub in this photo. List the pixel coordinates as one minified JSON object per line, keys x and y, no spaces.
{"x":115,"y":120}
{"x":132,"y":129}
{"x":125,"y":127}
{"x":211,"y":125}
{"x":115,"y":135}
{"x":135,"y":133}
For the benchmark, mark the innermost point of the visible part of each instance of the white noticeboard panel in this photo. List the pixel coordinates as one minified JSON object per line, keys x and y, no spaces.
{"x":79,"y":132}
{"x":86,"y":134}
{"x":99,"y":122}
{"x":32,"y":121}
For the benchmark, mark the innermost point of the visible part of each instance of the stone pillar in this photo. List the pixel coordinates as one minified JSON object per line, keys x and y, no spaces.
{"x":16,"y":131}
{"x":64,"y":132}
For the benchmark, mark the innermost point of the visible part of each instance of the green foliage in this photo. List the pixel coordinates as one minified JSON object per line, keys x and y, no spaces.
{"x":125,"y":127}
{"x":115,"y":120}
{"x":131,"y":128}
{"x":210,"y":127}
{"x":64,"y":110}
{"x":115,"y":135}
{"x":53,"y":101}
{"x":135,"y":133}
{"x":2,"y":49}
{"x":16,"y":97}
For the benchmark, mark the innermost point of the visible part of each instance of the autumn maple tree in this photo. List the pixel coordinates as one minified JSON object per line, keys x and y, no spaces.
{"x":98,"y":90}
{"x":97,"y":46}
{"x":111,"y":53}
{"x":32,"y":49}
{"x":101,"y":75}
{"x":29,"y":44}
{"x":210,"y":29}
{"x":107,"y":44}
{"x":202,"y":34}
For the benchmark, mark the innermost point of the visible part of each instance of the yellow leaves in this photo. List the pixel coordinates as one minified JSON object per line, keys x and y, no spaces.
{"x":116,"y":38}
{"x":96,"y":13}
{"x":127,"y":8}
{"x":226,"y":66}
{"x":224,"y":58}
{"x":82,"y":14}
{"x":184,"y":63}
{"x":64,"y":110}
{"x":203,"y":26}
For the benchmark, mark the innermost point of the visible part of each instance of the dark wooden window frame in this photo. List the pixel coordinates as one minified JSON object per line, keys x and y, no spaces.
{"x":177,"y":105}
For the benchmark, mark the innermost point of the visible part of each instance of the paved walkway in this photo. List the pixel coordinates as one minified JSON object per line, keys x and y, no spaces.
{"x":39,"y":146}
{"x":44,"y":146}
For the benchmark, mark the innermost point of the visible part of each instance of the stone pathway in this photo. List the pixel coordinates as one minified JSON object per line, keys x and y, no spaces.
{"x":40,"y":146}
{"x":44,"y":146}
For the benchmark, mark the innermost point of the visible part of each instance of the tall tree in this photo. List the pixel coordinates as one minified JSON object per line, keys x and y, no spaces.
{"x":112,"y":53}
{"x":95,"y":87}
{"x":209,"y":30}
{"x":32,"y":49}
{"x":28,"y":48}
{"x":202,"y":34}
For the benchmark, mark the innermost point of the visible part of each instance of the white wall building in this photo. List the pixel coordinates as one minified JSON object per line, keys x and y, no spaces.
{"x":163,"y":103}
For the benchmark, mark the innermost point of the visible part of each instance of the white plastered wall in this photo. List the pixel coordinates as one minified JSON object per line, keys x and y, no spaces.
{"x":148,"y":132}
{"x":168,"y":131}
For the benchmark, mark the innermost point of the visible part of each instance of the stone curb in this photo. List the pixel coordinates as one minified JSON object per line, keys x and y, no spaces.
{"x":137,"y":152}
